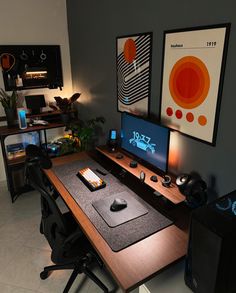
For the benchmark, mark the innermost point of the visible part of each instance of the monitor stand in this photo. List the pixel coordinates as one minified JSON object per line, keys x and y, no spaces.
{"x":171,"y":193}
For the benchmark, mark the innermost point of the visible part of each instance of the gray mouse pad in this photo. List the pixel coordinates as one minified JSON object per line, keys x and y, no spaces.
{"x":121,"y":236}
{"x":133,"y":210}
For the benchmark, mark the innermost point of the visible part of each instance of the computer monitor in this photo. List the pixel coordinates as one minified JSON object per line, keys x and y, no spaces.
{"x":145,"y":140}
{"x":35,"y":103}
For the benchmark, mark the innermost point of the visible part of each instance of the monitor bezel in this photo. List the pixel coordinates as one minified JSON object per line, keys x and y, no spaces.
{"x":144,"y":162}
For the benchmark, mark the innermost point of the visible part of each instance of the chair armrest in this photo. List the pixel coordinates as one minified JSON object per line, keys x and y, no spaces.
{"x":73,"y":237}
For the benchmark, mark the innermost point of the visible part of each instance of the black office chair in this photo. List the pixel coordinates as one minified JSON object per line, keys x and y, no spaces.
{"x":70,"y":247}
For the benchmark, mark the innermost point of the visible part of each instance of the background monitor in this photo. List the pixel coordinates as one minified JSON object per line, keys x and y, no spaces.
{"x":35,"y":103}
{"x":145,"y":140}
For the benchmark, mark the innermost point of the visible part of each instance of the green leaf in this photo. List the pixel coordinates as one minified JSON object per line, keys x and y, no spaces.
{"x":8,"y":101}
{"x":85,"y":130}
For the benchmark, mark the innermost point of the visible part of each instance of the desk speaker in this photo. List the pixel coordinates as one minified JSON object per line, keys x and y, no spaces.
{"x":211,"y":257}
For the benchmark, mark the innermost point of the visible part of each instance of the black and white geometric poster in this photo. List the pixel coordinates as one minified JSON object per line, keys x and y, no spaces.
{"x":133,"y":73}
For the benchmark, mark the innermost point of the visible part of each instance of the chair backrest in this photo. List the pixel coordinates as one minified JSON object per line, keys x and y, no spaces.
{"x":53,"y":224}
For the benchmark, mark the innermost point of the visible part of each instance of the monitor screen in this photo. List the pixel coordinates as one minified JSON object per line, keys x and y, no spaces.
{"x":35,"y":103}
{"x":146,"y":140}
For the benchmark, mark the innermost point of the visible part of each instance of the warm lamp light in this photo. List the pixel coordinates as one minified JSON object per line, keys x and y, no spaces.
{"x":174,"y":155}
{"x":36,"y":74}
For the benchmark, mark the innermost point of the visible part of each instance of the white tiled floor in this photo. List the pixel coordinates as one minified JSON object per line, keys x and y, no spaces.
{"x":24,"y":252}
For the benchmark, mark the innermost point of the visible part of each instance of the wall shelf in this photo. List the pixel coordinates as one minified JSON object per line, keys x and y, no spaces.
{"x":31,"y":66}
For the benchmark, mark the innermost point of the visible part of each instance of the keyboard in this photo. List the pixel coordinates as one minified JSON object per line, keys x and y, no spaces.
{"x":90,"y":179}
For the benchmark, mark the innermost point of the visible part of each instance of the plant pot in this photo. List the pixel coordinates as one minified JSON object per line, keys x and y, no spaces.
{"x":10,"y":116}
{"x":65,"y":117}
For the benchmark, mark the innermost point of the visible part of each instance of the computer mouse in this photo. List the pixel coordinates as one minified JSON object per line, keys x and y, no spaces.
{"x":118,"y":204}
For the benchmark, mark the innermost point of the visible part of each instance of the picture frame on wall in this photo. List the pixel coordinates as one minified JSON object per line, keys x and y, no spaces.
{"x":192,"y":80}
{"x":133,"y":64}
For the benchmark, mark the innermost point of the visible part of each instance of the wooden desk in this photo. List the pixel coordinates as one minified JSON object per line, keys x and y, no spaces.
{"x":137,"y":263}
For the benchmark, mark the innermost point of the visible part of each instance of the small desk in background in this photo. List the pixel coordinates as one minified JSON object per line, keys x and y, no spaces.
{"x":137,"y":263}
{"x":14,"y":168}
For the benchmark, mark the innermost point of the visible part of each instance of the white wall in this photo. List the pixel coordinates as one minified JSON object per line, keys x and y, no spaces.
{"x":33,"y":22}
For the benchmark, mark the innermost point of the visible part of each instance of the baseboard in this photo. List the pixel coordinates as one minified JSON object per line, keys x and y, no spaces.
{"x":143,"y":289}
{"x":3,"y":183}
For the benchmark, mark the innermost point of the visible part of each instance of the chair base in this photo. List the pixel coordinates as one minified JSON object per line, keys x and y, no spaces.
{"x":78,"y":268}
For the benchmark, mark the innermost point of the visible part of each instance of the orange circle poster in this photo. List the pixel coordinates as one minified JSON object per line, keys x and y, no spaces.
{"x":192,"y":80}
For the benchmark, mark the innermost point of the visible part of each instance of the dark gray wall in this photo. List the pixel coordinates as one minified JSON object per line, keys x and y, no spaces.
{"x":93,"y":27}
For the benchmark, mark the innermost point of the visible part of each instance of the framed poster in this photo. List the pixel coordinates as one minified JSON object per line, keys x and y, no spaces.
{"x":192,"y":79}
{"x":133,"y":60}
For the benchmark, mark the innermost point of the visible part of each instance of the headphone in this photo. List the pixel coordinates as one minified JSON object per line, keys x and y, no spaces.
{"x":194,"y":188}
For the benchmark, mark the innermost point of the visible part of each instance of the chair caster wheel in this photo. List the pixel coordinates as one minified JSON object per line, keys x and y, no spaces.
{"x":44,"y":275}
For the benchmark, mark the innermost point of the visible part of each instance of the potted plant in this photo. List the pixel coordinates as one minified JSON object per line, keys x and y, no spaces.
{"x":9,"y":104}
{"x":65,"y":105}
{"x":83,"y":132}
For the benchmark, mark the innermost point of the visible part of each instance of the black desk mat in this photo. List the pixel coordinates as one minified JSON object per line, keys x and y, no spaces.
{"x":133,"y":210}
{"x":120,"y":236}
